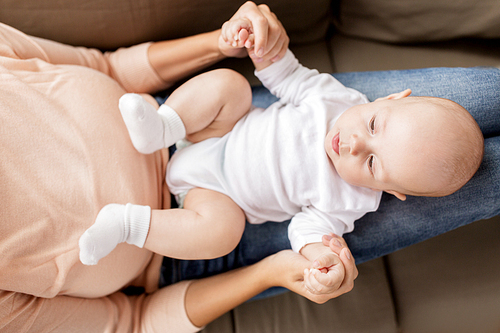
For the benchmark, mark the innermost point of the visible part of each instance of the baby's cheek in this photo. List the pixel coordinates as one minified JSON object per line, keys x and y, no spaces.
{"x":343,"y":171}
{"x":351,"y":175}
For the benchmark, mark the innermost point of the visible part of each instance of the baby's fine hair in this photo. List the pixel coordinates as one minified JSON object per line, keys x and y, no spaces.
{"x":465,"y":143}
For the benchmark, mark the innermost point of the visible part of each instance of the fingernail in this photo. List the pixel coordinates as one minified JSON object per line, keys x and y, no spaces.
{"x":337,"y":243}
{"x":348,"y":254}
{"x":315,"y":264}
{"x":328,"y":237}
{"x":276,"y":58}
{"x":260,"y":53}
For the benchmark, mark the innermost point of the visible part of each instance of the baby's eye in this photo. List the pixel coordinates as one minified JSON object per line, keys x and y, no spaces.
{"x":370,"y":164}
{"x":372,"y":125}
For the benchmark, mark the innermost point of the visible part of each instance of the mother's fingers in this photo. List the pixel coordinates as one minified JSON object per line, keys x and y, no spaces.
{"x":277,"y":39}
{"x":336,"y":243}
{"x":351,"y":271}
{"x":250,"y":11}
{"x":270,"y":38}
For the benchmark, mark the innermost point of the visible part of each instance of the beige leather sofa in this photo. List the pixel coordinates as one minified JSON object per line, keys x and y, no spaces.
{"x":450,"y":283}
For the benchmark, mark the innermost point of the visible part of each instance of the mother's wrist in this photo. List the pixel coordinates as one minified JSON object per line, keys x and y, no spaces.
{"x":215,"y":37}
{"x":268,"y":270}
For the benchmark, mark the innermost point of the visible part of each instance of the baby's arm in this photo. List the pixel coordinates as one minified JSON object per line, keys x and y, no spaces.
{"x":327,"y":271}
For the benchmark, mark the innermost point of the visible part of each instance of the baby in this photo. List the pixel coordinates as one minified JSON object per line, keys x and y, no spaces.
{"x":320,"y":156}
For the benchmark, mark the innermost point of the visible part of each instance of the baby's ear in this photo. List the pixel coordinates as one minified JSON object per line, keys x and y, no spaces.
{"x":397,"y":194}
{"x":399,"y":95}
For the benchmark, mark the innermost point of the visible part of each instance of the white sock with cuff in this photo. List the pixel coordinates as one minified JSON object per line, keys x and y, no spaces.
{"x":114,"y":224}
{"x":150,"y":129}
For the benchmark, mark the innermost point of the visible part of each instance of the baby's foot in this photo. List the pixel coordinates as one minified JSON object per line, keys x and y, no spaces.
{"x":104,"y":235}
{"x":114,"y":224}
{"x":143,"y":123}
{"x":150,"y":130}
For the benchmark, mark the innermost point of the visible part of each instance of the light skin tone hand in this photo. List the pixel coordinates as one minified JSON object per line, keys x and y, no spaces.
{"x":209,"y":298}
{"x":328,"y":272}
{"x":256,"y":30}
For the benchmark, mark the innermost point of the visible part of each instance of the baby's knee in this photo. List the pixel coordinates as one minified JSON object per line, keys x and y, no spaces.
{"x":221,"y":220}
{"x":232,"y":82}
{"x":229,"y":237}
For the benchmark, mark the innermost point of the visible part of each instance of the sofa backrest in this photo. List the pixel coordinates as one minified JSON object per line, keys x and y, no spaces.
{"x":108,"y":24}
{"x":410,"y":21}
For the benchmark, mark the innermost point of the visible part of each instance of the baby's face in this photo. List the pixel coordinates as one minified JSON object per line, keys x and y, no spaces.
{"x":385,"y":145}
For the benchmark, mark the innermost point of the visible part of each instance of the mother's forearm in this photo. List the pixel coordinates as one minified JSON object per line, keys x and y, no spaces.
{"x":209,"y":298}
{"x":175,"y":59}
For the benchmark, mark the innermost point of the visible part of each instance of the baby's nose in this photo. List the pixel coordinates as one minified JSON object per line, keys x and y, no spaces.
{"x":357,"y":145}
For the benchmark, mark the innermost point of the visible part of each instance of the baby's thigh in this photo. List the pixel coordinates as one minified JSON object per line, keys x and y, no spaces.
{"x":211,"y":90}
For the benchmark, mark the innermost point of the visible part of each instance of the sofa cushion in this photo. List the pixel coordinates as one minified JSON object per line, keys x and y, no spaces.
{"x":450,"y":283}
{"x":367,"y":308}
{"x":113,"y":23}
{"x":418,"y":21}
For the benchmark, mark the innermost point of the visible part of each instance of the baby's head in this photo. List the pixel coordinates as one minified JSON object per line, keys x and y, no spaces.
{"x":423,"y":146}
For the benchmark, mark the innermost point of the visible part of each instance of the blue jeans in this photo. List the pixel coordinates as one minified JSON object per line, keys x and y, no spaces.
{"x":396,"y":224}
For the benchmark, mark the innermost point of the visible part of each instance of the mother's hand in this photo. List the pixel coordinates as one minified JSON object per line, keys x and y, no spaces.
{"x":338,"y":245}
{"x":289,"y":270}
{"x":270,"y":40}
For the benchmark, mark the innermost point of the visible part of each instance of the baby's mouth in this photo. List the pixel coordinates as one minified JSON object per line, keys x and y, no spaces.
{"x":335,"y":143}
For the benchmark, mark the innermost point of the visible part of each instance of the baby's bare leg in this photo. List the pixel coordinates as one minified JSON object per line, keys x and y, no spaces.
{"x":209,"y":226}
{"x":206,"y":106}
{"x":211,"y":103}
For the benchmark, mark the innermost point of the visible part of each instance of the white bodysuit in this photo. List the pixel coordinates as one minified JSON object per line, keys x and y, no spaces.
{"x":273,"y":163}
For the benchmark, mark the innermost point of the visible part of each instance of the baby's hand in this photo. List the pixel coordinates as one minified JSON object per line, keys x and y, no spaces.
{"x":238,"y":33}
{"x":256,"y":31}
{"x":236,"y":38}
{"x":326,"y":275}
